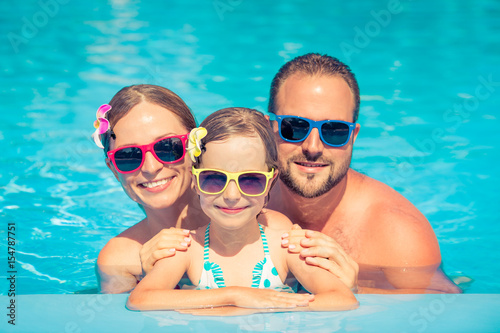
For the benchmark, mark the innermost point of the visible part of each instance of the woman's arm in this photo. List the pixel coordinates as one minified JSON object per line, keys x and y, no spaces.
{"x":115,"y":270}
{"x":330,"y":294}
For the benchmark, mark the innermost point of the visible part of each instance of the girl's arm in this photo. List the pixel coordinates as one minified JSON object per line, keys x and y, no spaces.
{"x":330,"y":294}
{"x":156,"y":292}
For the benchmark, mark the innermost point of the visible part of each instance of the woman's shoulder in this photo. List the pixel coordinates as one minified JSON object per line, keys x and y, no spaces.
{"x":274,"y":220}
{"x":121,"y":248}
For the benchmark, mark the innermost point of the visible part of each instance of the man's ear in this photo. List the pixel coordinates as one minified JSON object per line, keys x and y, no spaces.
{"x":355,"y":133}
{"x":272,"y":181}
{"x":276,"y":173}
{"x":112,"y":168}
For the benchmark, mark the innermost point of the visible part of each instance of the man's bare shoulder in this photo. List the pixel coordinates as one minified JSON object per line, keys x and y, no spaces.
{"x":379,"y":198}
{"x":395,"y":232}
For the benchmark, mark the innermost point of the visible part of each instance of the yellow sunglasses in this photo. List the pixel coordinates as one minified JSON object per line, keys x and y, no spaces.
{"x":250,"y":183}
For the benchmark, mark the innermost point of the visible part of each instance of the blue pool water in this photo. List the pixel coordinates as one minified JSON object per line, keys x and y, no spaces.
{"x":429,"y":116}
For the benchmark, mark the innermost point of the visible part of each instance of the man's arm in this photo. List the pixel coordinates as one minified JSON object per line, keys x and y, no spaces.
{"x":405,"y":249}
{"x":389,"y":271}
{"x":330,"y":294}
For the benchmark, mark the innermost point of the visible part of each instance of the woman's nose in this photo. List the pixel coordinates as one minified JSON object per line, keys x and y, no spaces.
{"x":151,"y":164}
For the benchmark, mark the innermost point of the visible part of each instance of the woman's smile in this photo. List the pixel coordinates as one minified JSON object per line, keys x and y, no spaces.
{"x":157,"y":185}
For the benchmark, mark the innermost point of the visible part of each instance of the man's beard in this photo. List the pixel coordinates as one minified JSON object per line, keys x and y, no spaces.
{"x":311,"y":188}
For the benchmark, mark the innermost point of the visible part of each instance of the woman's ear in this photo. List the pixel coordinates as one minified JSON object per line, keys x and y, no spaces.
{"x":195,"y":184}
{"x":112,"y":168}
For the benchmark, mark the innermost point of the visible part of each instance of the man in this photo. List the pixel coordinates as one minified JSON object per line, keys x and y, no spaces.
{"x":364,"y":224}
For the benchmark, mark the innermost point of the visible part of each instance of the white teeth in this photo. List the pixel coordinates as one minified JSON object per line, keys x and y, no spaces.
{"x":310,"y":165}
{"x":157,"y":183}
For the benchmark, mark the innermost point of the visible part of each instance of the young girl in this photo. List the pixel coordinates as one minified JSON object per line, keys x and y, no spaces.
{"x":234,"y":260}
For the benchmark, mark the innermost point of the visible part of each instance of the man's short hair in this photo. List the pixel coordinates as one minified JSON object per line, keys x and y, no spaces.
{"x":314,"y":64}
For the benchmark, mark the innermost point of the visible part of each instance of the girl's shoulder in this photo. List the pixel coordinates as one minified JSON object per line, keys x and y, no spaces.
{"x":274,"y":220}
{"x":198,"y":235}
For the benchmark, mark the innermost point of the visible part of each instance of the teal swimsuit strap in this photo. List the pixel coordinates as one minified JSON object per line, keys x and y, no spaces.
{"x":264,"y":240}
{"x":217,"y":271}
{"x":206,"y":245}
{"x":257,"y":271}
{"x":207,"y":265}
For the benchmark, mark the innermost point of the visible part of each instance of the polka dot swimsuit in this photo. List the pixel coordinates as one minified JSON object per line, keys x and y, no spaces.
{"x":265,"y":275}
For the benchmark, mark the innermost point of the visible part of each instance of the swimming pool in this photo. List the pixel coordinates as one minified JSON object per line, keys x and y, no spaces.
{"x":429,"y":79}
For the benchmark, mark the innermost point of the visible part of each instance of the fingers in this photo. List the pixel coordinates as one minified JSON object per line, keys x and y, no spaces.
{"x":291,"y":240}
{"x":177,"y":242}
{"x":285,"y":300}
{"x":299,"y":239}
{"x":293,"y":247}
{"x":335,"y":254}
{"x":272,"y":299}
{"x":163,"y":245}
{"x":169,"y":234}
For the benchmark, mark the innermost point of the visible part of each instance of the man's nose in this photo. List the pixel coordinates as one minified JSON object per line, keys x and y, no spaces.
{"x":313,"y":146}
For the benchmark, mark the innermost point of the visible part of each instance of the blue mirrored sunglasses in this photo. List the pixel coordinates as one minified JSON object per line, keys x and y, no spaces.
{"x":334,"y":133}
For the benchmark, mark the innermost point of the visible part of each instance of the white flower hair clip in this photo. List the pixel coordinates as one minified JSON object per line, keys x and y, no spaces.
{"x":101,"y":124}
{"x":194,"y":147}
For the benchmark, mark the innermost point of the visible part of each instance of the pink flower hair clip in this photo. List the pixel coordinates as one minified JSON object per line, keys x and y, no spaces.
{"x":101,"y":124}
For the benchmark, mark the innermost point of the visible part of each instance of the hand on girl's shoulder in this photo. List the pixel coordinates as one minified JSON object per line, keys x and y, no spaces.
{"x":274,"y":219}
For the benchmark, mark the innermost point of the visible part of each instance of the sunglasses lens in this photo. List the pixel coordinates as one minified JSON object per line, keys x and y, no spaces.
{"x":294,"y":129}
{"x":252,"y":183}
{"x":335,"y":133}
{"x":128,"y":159}
{"x":169,"y":150}
{"x":212,"y":181}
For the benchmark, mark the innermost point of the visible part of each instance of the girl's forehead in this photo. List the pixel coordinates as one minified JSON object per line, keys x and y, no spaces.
{"x":237,"y":153}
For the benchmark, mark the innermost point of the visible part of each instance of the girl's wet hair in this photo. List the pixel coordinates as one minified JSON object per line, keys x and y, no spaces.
{"x":225,"y":123}
{"x":128,"y":97}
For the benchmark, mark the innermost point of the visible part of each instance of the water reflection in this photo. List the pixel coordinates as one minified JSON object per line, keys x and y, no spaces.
{"x":404,"y":280}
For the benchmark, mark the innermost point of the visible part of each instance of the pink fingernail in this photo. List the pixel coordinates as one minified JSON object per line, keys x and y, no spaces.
{"x":186,"y":231}
{"x":285,"y":235}
{"x":291,"y":246}
{"x":184,"y":244}
{"x":284,"y":241}
{"x":172,"y":250}
{"x":187,"y":239}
